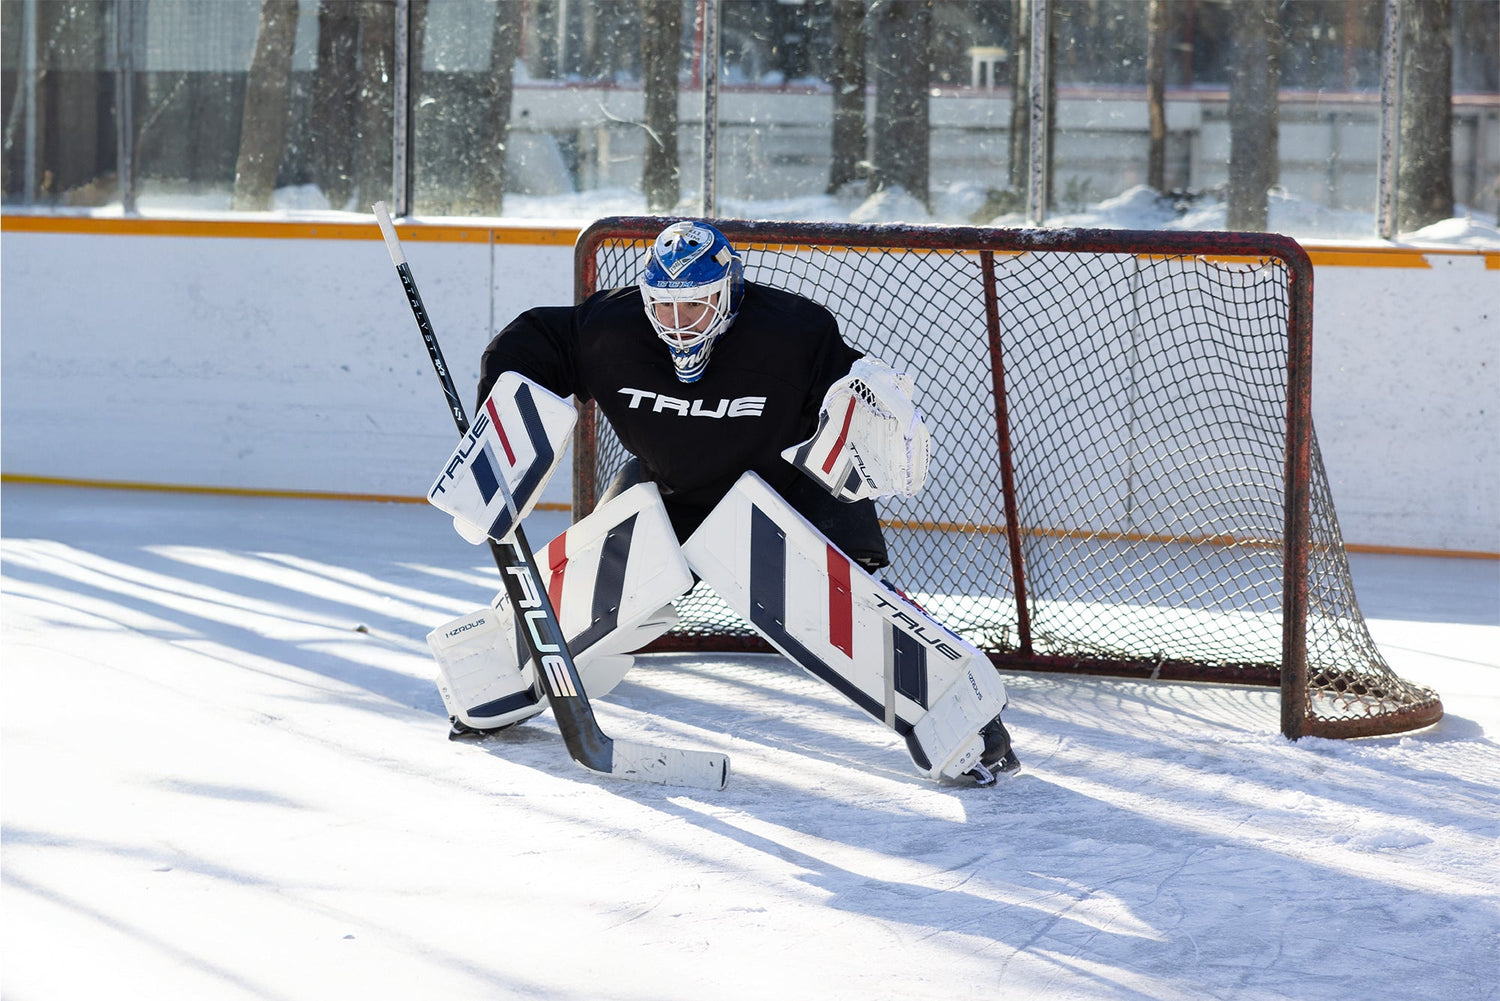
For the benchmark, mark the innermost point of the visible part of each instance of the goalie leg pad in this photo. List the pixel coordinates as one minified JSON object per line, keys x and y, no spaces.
{"x":478,"y":676}
{"x":952,"y":723}
{"x":840,"y":624}
{"x":612,"y":575}
{"x":611,"y":579}
{"x":484,"y":688}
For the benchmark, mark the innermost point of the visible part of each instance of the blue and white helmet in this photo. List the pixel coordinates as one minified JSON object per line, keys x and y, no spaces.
{"x":692,"y":283}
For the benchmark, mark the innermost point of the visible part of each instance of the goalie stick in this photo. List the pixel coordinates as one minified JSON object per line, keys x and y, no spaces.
{"x":587,"y":744}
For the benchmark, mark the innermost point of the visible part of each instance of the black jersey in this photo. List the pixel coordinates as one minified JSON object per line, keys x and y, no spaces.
{"x":760,"y":394}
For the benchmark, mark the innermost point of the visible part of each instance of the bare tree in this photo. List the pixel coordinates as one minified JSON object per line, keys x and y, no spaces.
{"x":264,"y":126}
{"x":661,"y":55}
{"x":850,"y":137}
{"x":494,"y":126}
{"x":1424,"y":178}
{"x":1254,"y":82}
{"x":903,"y":71}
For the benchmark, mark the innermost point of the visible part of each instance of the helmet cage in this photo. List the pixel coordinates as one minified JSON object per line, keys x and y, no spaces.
{"x":689,"y":333}
{"x":690,"y":264}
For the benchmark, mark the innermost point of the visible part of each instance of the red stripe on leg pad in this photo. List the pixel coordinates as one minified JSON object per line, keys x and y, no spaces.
{"x":557,"y":562}
{"x":840,"y":603}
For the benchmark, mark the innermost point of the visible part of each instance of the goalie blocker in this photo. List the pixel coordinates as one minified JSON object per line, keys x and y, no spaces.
{"x":496,"y":475}
{"x":840,"y":624}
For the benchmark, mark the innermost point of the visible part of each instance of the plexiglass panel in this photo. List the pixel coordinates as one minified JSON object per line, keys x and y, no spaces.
{"x":1251,"y":114}
{"x":57,"y":90}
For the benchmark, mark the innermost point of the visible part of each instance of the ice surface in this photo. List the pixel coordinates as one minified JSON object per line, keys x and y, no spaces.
{"x":224,"y":775}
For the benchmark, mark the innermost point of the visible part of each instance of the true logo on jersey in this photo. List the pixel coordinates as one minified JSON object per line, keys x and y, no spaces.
{"x":744,"y":406}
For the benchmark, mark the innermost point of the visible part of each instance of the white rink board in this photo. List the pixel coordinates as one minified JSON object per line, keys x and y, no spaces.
{"x":286,"y":364}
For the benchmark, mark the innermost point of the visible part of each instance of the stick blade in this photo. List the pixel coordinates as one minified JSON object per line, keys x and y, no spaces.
{"x":669,"y":766}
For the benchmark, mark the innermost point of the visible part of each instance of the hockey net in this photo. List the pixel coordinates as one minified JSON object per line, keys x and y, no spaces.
{"x":1124,"y":475}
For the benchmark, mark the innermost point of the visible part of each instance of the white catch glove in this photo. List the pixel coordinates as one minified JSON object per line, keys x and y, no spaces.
{"x":871,"y":441}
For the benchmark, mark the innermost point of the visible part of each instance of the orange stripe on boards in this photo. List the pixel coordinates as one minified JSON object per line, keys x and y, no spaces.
{"x":288,"y":229}
{"x":188,"y":488}
{"x":442,"y":230}
{"x":922,"y":526}
{"x":1181,"y":540}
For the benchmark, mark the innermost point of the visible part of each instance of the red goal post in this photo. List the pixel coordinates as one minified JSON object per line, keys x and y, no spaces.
{"x":1125,"y":478}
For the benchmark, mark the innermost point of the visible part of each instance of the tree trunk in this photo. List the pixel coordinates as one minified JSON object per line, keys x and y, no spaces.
{"x":1424,"y":178}
{"x":903,"y":60}
{"x":263,"y":128}
{"x":850,"y":138}
{"x":1157,"y":29}
{"x":375,"y":113}
{"x":1254,"y":80}
{"x":661,"y":55}
{"x":494,"y":135}
{"x":335,"y":92}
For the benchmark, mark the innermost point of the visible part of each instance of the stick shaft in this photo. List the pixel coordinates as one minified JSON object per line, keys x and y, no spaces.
{"x":554,"y":665}
{"x":587,"y":744}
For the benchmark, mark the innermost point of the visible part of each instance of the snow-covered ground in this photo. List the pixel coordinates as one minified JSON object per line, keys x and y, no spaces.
{"x":225,"y":776}
{"x":954,"y":204}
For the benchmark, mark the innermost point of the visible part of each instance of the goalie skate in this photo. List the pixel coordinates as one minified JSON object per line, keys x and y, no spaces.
{"x":997,"y":758}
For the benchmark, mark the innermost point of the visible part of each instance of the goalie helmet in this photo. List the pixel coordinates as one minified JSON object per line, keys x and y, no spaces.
{"x":692,"y":282}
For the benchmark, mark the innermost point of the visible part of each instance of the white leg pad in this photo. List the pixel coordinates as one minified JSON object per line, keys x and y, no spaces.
{"x":611,"y":578}
{"x":827,"y":614}
{"x":477,"y":675}
{"x":951,"y":725}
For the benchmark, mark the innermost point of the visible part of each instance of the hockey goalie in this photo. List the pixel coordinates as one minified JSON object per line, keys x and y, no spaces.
{"x":759,"y":441}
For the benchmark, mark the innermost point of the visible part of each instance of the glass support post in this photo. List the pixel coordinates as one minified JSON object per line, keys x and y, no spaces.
{"x":401,"y":117}
{"x":1036,"y":177}
{"x":125,"y":103}
{"x":1390,"y":121}
{"x":710,"y":69}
